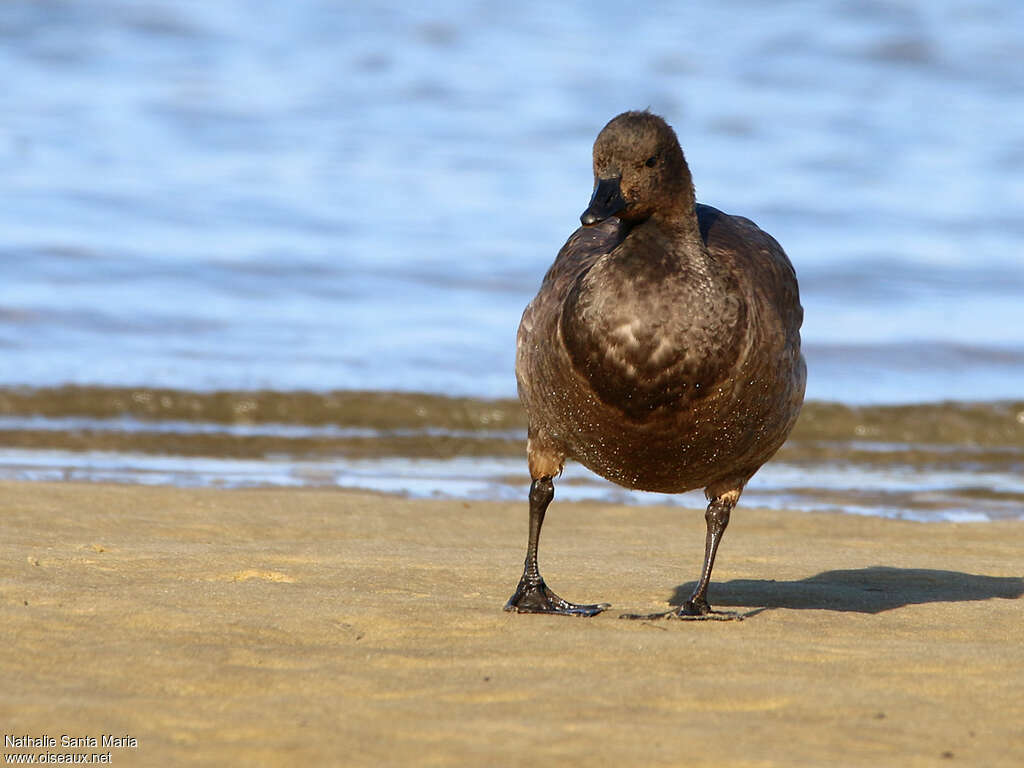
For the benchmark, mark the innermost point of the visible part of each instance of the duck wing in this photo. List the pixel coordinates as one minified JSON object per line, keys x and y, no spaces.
{"x":765,"y":273}
{"x":581,"y":251}
{"x":540,"y":318}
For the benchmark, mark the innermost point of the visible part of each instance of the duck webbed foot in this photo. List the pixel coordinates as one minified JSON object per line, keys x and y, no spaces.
{"x":532,"y":595}
{"x":689,"y":612}
{"x":536,"y":597}
{"x":694,"y":608}
{"x":679,"y":614}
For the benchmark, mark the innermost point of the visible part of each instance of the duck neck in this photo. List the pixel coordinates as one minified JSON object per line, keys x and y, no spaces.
{"x":681,"y":226}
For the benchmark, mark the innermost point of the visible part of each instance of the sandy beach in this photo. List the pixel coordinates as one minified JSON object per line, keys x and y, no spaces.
{"x":282,"y":628}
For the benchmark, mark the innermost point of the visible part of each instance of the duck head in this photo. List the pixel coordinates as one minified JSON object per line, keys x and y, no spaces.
{"x":639,"y":171}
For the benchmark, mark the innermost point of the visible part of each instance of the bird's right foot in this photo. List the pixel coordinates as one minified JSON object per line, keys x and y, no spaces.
{"x":694,"y":608}
{"x":697,"y":609}
{"x":711,"y":615}
{"x":537,"y":598}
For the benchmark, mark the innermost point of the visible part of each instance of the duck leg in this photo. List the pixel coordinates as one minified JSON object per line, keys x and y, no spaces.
{"x":717,"y":518}
{"x":532,"y":595}
{"x":696,"y":608}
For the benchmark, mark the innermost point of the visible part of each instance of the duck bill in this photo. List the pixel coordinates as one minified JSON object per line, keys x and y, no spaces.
{"x":606,"y":201}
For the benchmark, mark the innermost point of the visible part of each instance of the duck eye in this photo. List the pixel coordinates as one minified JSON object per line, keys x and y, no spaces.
{"x":651,"y":161}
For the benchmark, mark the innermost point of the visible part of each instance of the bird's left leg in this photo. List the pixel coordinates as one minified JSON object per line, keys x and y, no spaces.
{"x":717,"y":518}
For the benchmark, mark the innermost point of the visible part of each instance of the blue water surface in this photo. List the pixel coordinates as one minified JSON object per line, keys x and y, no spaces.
{"x":322,"y":195}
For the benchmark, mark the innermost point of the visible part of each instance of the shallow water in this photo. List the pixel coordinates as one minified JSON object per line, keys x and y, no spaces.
{"x":323,"y":196}
{"x":958,"y":462}
{"x":365,"y":195}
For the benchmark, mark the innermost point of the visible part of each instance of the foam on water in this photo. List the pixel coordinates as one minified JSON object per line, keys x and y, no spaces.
{"x":954,"y":462}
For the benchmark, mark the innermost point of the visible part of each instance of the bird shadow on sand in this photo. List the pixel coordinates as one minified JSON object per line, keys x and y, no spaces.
{"x":863,"y":590}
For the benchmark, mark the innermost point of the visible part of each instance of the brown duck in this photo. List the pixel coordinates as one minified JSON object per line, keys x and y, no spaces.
{"x":662,"y":350}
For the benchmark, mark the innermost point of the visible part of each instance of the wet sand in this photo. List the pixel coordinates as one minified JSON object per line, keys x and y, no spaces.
{"x":284,"y":628}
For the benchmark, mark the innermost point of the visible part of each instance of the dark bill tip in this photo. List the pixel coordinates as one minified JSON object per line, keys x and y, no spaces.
{"x":605,"y":202}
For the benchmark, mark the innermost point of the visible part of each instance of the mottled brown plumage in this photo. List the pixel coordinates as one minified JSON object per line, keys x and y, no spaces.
{"x":663,"y":348}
